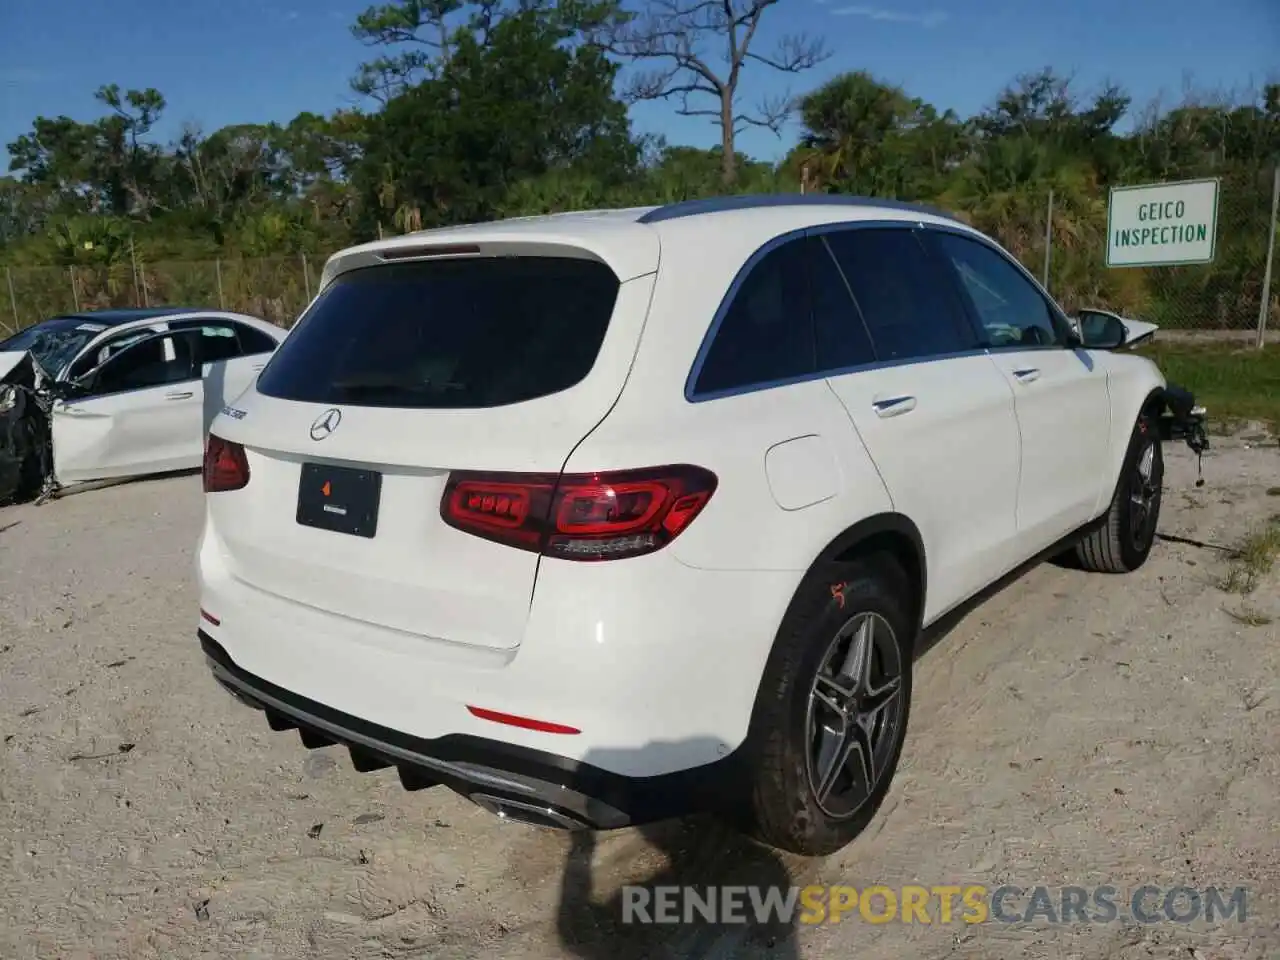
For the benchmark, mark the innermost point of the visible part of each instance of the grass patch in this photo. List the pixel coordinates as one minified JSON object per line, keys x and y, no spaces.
{"x":1235,"y":382}
{"x":1247,"y":616}
{"x":1254,"y":558}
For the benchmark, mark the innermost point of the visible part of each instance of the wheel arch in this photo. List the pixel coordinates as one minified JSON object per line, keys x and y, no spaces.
{"x":1152,"y":406}
{"x":889,"y":532}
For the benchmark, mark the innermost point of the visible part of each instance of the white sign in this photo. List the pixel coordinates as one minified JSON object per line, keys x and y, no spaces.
{"x":1162,"y":224}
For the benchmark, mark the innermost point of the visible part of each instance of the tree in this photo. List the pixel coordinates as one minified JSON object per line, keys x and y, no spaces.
{"x":866,"y":137}
{"x":694,"y":52}
{"x":424,"y":26}
{"x":424,"y":34}
{"x":106,"y":164}
{"x":25,"y":209}
{"x":524,"y":103}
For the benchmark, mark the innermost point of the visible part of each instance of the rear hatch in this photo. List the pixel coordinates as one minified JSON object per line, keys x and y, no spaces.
{"x":398,"y":374}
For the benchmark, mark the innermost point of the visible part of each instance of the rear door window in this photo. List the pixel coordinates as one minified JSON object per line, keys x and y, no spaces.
{"x":253,"y":341}
{"x":225,"y":339}
{"x":464,"y":333}
{"x":907,"y":303}
{"x":842,"y":336}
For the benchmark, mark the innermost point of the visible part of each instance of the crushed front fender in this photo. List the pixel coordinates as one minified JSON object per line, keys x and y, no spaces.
{"x":26,"y":451}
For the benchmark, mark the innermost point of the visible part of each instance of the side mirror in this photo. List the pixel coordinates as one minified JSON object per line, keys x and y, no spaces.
{"x":1101,"y":331}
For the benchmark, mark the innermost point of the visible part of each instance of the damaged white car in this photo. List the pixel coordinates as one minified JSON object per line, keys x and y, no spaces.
{"x":110,"y":394}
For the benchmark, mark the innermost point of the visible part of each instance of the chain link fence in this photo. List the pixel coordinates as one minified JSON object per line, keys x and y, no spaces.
{"x":1224,"y":295}
{"x":1061,"y":238}
{"x":274,"y":288}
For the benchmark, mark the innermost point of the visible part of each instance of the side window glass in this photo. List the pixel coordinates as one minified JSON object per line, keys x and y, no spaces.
{"x":105,"y":350}
{"x":843,"y":339}
{"x":1010,"y":308}
{"x":253,"y":341}
{"x":145,"y":364}
{"x":767,"y":333}
{"x":213,"y":339}
{"x":217,"y":341}
{"x":903,"y":298}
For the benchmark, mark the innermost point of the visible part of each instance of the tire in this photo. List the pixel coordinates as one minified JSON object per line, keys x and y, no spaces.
{"x":1123,"y":542}
{"x":835,"y":608}
{"x":31,"y":477}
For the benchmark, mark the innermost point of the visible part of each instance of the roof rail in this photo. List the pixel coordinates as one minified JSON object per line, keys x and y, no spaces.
{"x":693,"y":208}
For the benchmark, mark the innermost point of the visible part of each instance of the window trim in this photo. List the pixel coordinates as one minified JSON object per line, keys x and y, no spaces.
{"x":971,"y":309}
{"x":693,"y":395}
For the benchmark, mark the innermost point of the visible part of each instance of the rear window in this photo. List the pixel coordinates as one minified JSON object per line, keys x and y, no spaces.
{"x":478,"y":332}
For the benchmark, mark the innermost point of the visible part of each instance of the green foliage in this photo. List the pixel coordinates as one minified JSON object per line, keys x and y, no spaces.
{"x":1233,"y":381}
{"x":490,"y":108}
{"x":523,"y":106}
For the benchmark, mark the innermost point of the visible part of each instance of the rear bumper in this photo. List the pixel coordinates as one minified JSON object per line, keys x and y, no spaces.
{"x":513,"y":781}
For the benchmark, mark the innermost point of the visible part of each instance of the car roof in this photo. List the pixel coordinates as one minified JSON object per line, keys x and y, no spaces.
{"x":628,"y":239}
{"x":116,"y":316}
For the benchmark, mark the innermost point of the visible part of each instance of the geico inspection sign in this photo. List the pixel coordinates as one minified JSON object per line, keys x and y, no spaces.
{"x":1162,"y":224}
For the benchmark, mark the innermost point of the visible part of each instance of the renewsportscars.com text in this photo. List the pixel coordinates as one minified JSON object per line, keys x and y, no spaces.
{"x":947,"y":903}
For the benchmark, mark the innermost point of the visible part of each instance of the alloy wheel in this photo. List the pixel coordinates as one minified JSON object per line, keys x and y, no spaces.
{"x":855,"y":712}
{"x":1144,"y":495}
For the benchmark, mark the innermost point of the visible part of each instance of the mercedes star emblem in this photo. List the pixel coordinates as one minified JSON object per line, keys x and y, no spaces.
{"x":326,"y":423}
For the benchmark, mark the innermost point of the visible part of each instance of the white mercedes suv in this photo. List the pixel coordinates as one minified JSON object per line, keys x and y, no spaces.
{"x":606,"y":517}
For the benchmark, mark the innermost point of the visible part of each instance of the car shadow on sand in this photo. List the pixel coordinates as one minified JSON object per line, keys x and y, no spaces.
{"x":598,"y":919}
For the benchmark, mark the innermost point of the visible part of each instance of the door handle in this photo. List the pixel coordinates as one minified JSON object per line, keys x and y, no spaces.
{"x":180,"y":395}
{"x":1027,"y":375}
{"x":893,"y":406}
{"x":258,"y":366}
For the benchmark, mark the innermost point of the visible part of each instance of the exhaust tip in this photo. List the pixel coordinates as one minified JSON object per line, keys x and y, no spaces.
{"x":515,"y":811}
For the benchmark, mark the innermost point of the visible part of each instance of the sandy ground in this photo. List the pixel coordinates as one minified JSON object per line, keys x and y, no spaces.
{"x":1074,"y":729}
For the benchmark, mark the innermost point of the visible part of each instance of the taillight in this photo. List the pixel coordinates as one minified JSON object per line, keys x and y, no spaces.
{"x":225,"y":465}
{"x":593,"y":516}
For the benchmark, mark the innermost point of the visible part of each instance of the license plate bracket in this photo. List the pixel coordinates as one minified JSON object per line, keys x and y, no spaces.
{"x":339,"y":499}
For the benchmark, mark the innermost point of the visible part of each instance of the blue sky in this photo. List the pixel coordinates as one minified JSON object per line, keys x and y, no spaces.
{"x":245,"y":61}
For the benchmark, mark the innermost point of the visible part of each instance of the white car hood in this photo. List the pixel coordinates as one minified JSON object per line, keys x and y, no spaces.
{"x":11,"y":360}
{"x":8,"y":360}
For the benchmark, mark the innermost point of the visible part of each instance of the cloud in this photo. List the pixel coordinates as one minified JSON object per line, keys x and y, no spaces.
{"x":929,"y":19}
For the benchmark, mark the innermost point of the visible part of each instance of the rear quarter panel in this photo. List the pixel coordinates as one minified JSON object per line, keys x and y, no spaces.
{"x":757,"y":519}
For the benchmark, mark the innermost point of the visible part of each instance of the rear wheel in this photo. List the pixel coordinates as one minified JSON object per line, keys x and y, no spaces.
{"x":1123,"y":542}
{"x":832,"y":711}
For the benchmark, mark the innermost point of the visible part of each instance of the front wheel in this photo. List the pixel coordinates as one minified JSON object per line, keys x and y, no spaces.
{"x":1123,"y":542}
{"x":832,"y":710}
